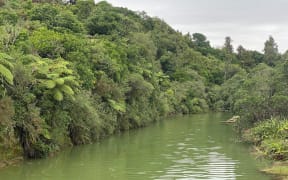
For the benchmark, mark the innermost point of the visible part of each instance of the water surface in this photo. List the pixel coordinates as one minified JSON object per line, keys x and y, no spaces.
{"x":192,"y":147}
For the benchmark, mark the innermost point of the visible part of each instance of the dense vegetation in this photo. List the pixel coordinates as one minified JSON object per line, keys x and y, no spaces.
{"x":72,"y":73}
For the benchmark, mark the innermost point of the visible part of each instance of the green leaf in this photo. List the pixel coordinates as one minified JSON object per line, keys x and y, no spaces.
{"x":6,"y":73}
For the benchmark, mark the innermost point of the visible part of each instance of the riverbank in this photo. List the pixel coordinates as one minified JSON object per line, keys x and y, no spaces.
{"x":279,"y":169}
{"x":270,"y":140}
{"x":16,"y":154}
{"x":10,"y":162}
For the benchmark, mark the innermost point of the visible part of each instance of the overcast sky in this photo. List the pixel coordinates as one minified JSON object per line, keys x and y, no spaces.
{"x":247,"y":22}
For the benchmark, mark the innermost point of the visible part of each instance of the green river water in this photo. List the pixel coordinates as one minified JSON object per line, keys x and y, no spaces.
{"x":191,"y":147}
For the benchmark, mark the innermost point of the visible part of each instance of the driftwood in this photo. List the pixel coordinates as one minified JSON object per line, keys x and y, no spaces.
{"x":232,"y":120}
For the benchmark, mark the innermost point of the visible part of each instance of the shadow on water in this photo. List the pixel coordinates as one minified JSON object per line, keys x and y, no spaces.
{"x":191,"y":147}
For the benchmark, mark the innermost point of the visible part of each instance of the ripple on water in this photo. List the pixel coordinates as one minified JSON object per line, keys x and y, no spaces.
{"x":184,"y":161}
{"x":193,"y":149}
{"x":188,"y":139}
{"x":182,"y":144}
{"x":213,"y":148}
{"x":212,"y":165}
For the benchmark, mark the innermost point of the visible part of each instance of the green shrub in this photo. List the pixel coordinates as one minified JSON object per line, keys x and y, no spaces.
{"x":275,"y":148}
{"x":271,"y":135}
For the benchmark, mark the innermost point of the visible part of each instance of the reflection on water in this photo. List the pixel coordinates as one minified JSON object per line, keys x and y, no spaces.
{"x":195,"y":147}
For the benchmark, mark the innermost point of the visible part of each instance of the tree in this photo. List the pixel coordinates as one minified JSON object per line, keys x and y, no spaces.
{"x":45,"y":13}
{"x":84,"y":9}
{"x":48,"y":44}
{"x":200,"y":40}
{"x":200,"y":43}
{"x":228,"y":48}
{"x":228,"y":56}
{"x":54,"y":18}
{"x":245,"y":57}
{"x":271,"y":54}
{"x":67,"y":21}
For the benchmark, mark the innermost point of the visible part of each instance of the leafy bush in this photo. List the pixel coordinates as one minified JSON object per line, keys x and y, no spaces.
{"x":8,"y":17}
{"x":271,"y":135}
{"x":86,"y":125}
{"x":276,"y":149}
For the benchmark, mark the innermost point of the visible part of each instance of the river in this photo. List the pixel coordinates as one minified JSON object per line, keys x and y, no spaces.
{"x":191,"y":147}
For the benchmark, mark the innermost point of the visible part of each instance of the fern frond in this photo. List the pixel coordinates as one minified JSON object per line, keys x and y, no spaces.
{"x":121,"y":107}
{"x":71,"y":80}
{"x":52,"y":76}
{"x":50,"y":84}
{"x":64,"y":70}
{"x":59,"y":81}
{"x":67,"y":89}
{"x":6,"y":73}
{"x":5,"y":60}
{"x":5,"y":56}
{"x":58,"y":95}
{"x":46,"y":134}
{"x":6,"y":63}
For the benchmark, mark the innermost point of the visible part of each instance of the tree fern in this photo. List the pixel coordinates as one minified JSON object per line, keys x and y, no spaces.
{"x":55,"y":77}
